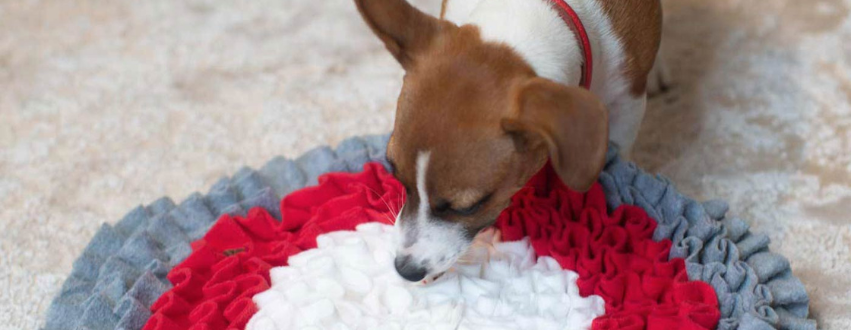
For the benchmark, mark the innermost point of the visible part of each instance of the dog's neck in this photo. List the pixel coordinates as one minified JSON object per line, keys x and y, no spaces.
{"x":533,"y":28}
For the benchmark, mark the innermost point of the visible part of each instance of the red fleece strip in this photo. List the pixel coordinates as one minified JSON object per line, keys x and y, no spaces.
{"x":614,"y":255}
{"x":213,"y":287}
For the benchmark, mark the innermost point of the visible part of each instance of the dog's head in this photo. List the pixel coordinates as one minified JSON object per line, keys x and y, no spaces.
{"x":473,"y":124}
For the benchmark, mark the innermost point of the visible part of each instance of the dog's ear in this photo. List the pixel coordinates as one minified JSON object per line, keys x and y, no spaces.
{"x":404,"y":29}
{"x":569,"y":123}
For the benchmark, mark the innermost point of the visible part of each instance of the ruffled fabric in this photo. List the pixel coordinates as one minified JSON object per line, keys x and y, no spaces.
{"x":349,"y":282}
{"x":123,"y":269}
{"x":213,"y":287}
{"x":614,"y":255}
{"x":108,"y":291}
{"x":755,"y":287}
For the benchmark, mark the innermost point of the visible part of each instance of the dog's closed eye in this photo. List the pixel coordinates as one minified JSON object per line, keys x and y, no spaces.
{"x":445,"y":207}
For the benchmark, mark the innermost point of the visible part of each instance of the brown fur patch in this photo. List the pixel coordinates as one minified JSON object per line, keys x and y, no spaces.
{"x":638,"y":24}
{"x":571,"y":121}
{"x":452,"y":101}
{"x":456,"y":93}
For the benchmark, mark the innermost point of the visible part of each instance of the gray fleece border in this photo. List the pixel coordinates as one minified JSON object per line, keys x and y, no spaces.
{"x":755,"y":287}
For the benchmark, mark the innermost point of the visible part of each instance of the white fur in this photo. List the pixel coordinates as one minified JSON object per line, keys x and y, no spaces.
{"x":436,"y":244}
{"x":422,"y":167}
{"x":536,"y":31}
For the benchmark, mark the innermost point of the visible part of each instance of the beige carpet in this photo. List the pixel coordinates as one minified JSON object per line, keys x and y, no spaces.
{"x":108,"y":104}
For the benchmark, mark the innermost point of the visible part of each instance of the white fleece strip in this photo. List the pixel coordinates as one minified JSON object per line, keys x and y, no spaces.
{"x":348,"y":282}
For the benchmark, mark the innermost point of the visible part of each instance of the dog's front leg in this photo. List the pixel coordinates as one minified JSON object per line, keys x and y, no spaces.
{"x":625,"y":116}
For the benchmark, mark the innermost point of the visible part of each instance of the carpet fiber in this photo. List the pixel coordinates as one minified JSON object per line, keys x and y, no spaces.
{"x":104,"y":106}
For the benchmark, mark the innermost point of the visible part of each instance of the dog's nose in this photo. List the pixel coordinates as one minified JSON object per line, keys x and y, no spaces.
{"x":408,"y":270}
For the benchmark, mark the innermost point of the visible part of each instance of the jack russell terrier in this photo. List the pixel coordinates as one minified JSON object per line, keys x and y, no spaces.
{"x":493,"y":89}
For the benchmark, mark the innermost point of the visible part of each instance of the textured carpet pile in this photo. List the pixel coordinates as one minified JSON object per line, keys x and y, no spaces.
{"x":655,"y":257}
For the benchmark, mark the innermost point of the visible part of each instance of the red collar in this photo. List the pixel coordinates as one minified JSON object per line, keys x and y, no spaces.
{"x":575,"y":24}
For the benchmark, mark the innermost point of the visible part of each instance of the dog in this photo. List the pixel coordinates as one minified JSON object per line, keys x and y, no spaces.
{"x":493,"y":90}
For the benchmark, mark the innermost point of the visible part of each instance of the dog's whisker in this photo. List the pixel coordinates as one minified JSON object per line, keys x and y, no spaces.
{"x":386,"y":204}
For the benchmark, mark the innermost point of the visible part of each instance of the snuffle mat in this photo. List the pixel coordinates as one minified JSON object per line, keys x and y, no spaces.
{"x":308,"y":244}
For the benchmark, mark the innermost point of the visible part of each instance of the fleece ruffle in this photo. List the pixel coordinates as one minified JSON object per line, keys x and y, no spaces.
{"x":213,"y":287}
{"x":123,"y":269}
{"x":755,"y":287}
{"x":614,"y":254}
{"x":105,"y":291}
{"x":349,"y":282}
